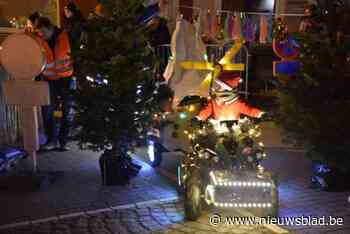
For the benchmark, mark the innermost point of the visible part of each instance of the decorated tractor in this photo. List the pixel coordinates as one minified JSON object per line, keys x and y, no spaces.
{"x":222,"y":169}
{"x":222,"y":166}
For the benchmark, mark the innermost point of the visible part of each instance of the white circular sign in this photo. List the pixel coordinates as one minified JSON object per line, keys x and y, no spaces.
{"x":22,"y":56}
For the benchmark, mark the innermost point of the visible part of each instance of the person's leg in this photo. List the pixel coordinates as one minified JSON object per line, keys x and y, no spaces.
{"x":47,"y":113}
{"x":48,"y":117}
{"x":66,"y":120}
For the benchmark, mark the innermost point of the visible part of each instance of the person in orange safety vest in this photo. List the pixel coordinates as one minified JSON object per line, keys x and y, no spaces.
{"x":57,"y":52}
{"x":226,"y":104}
{"x":58,"y":73}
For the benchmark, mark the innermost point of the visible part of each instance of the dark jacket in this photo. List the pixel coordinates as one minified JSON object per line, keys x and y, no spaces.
{"x":75,"y":27}
{"x":160,"y":36}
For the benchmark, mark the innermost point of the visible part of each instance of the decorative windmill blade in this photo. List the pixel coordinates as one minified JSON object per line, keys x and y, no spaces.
{"x":234,"y":67}
{"x":210,"y":77}
{"x":192,"y":65}
{"x":232,"y":52}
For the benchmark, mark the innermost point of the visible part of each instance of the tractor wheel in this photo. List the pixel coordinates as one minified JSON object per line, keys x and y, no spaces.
{"x":193,"y":202}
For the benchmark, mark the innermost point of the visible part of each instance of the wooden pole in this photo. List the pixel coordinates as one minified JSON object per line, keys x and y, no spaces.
{"x":58,"y":13}
{"x":30,"y":133}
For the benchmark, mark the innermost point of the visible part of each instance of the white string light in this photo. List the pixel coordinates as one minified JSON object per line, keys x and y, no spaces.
{"x":241,"y":184}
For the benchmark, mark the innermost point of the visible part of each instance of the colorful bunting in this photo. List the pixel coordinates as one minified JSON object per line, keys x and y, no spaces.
{"x":263,"y":29}
{"x":236,"y":32}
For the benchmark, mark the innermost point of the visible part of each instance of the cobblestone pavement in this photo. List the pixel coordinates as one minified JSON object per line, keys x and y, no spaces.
{"x":164,"y":217}
{"x":80,"y":189}
{"x":296,"y":198}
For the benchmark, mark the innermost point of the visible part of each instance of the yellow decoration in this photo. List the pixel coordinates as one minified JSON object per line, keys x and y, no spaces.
{"x":223,"y":65}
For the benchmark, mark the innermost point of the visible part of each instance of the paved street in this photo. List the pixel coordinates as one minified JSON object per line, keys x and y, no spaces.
{"x":80,"y":189}
{"x":79,"y":204}
{"x":165,"y":217}
{"x":296,"y":197}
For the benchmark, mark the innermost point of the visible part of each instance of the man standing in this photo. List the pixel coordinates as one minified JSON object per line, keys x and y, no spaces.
{"x":58,"y":73}
{"x":32,"y":22}
{"x":74,"y":25}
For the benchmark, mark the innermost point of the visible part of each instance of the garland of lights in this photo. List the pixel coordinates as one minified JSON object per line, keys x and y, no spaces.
{"x":244,"y":149}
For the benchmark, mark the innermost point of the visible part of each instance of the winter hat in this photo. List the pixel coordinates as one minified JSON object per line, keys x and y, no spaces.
{"x":228,"y":80}
{"x":34,"y":17}
{"x":72,"y":7}
{"x":150,"y":13}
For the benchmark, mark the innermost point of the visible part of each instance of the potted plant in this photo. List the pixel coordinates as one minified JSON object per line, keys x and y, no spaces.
{"x":112,"y":68}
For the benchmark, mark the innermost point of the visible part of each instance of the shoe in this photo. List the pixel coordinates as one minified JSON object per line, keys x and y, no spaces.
{"x":50,"y":146}
{"x":64,"y":148}
{"x":139,"y":167}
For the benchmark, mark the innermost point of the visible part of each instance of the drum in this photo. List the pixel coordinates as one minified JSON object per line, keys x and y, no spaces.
{"x":22,"y":56}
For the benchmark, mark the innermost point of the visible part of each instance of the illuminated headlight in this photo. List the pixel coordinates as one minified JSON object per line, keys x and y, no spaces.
{"x":151,"y":151}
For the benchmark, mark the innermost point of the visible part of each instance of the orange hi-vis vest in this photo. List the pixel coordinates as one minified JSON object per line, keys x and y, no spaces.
{"x":58,"y":63}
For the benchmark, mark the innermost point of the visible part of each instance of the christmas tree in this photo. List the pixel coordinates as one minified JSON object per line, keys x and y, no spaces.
{"x":315,"y":103}
{"x":115,"y":71}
